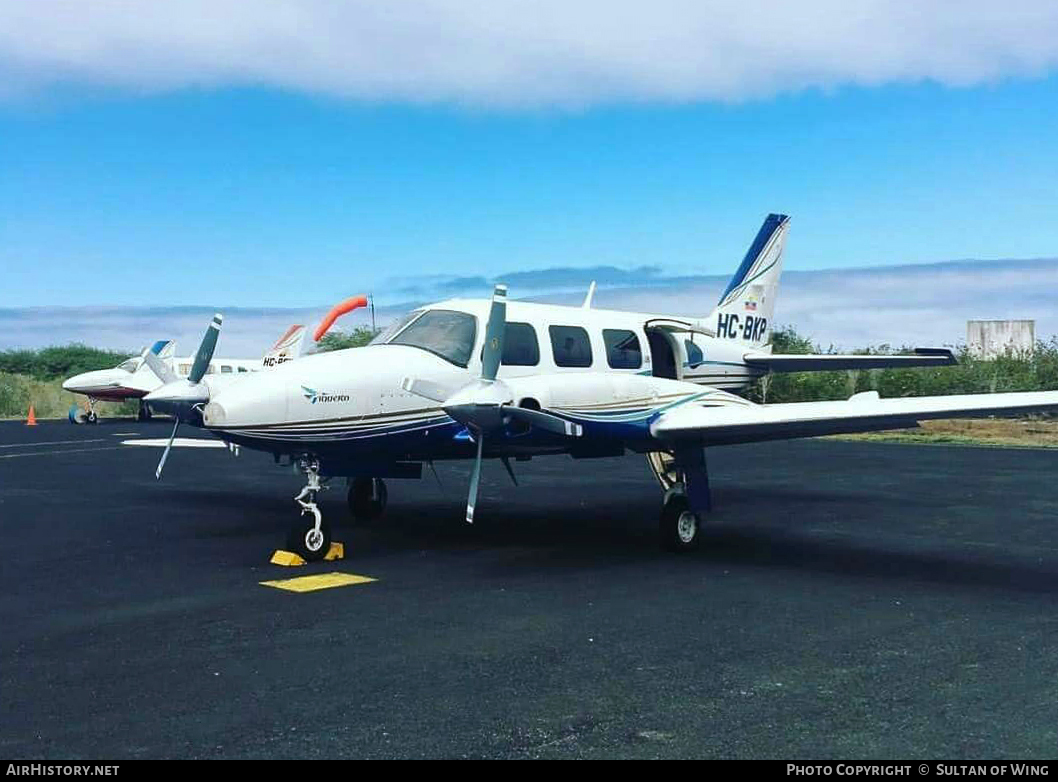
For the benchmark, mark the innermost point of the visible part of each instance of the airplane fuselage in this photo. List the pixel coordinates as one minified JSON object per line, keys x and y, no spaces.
{"x":348,"y":407}
{"x":128,"y":381}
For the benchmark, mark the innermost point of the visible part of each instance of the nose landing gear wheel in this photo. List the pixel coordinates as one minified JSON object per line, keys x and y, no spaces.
{"x":310,"y":536}
{"x":367,"y":499}
{"x":679,"y":527}
{"x":307,"y":542}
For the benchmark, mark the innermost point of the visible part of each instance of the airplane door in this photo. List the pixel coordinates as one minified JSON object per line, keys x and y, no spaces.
{"x":663,"y":355}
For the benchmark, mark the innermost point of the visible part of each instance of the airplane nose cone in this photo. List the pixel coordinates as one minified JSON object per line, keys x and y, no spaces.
{"x":77,"y":382}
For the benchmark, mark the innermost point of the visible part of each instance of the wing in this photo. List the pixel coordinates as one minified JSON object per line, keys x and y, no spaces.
{"x":865,"y":412}
{"x":812,"y":362}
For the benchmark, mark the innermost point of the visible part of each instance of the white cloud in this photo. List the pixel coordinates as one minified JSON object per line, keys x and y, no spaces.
{"x":924,"y":305}
{"x":522,"y":52}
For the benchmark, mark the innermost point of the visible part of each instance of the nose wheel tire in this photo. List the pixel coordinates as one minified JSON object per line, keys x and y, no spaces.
{"x":307,"y":542}
{"x":367,"y":499}
{"x":679,"y":527}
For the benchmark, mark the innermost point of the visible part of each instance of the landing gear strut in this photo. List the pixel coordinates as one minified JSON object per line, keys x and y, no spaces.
{"x":685,"y":479}
{"x":367,"y":499}
{"x":310,"y":537}
{"x":144,"y":413}
{"x":89,"y":416}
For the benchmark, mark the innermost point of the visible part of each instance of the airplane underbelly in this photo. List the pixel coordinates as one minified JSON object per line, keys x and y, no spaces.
{"x":111,"y":394}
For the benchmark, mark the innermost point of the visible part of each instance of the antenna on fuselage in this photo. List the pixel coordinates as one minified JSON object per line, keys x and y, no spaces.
{"x":587,"y":299}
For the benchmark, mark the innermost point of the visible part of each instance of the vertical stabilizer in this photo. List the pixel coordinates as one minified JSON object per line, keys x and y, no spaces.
{"x":287,"y":347}
{"x":744,"y":313}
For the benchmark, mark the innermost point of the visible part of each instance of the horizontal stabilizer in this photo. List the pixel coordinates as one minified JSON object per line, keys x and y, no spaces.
{"x":818,"y":362}
{"x":746,"y":423}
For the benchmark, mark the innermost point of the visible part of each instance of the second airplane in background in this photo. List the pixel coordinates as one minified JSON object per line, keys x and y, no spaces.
{"x":133,"y":378}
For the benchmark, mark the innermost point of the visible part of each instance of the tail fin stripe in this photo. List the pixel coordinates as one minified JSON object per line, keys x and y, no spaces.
{"x":761,"y":245}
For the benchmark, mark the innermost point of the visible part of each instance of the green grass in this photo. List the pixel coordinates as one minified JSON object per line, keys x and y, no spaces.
{"x":18,"y":392}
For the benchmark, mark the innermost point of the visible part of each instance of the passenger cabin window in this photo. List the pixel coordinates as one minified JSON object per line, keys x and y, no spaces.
{"x":185,"y":369}
{"x":570,"y":346}
{"x":695,"y":357}
{"x":243,"y":369}
{"x":520,"y":347}
{"x":225,"y":370}
{"x":622,"y":349}
{"x":445,"y":333}
{"x":211,"y":370}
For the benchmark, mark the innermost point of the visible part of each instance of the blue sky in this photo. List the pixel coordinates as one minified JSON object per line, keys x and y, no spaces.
{"x":247,"y":197}
{"x":125,"y":180}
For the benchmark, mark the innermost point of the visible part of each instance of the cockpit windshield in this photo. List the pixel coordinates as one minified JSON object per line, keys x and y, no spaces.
{"x":131,"y":365}
{"x":445,"y":333}
{"x":394,"y":328}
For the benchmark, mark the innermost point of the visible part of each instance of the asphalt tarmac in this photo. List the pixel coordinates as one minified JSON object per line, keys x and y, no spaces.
{"x":851,"y":600}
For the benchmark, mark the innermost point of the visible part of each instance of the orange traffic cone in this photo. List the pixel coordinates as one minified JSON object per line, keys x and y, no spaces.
{"x":31,"y":419}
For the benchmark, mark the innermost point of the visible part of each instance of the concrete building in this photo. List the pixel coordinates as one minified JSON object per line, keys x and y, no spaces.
{"x":990,"y":338}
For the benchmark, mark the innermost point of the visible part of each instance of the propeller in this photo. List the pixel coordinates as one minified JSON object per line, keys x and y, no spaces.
{"x":484,"y":405}
{"x":490,"y":365}
{"x":180,"y":396}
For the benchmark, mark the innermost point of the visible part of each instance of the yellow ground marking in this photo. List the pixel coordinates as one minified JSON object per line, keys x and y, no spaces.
{"x":320,"y":581}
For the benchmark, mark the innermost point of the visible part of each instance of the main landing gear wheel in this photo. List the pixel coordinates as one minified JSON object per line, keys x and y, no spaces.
{"x":144,"y":413}
{"x":91,"y":417}
{"x":310,"y":538}
{"x":367,"y":499}
{"x":679,"y":527}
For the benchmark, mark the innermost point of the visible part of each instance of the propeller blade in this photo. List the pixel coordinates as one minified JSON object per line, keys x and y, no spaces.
{"x":159,"y":368}
{"x":205,"y":350}
{"x":475,"y":477}
{"x":546,"y":421}
{"x":427,"y":389}
{"x":165,"y":453}
{"x":494,"y":333}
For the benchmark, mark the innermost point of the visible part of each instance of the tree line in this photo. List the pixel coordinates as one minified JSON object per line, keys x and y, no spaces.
{"x":32,"y":376}
{"x":1037,"y":371}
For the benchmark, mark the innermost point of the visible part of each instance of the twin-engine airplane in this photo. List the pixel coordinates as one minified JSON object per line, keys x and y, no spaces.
{"x":474,"y":379}
{"x":133,"y":378}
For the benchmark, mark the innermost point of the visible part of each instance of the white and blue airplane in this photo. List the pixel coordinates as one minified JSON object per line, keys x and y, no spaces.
{"x":476,"y":379}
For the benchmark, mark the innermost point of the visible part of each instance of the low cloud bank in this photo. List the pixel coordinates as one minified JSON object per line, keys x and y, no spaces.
{"x":926,"y":304}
